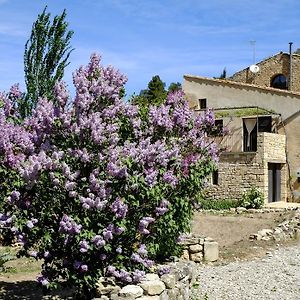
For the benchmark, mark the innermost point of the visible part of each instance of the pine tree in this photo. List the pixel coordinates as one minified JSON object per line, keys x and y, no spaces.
{"x":45,"y":58}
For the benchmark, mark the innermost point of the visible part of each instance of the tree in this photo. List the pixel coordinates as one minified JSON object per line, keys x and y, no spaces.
{"x":174,"y":86}
{"x":156,"y":89}
{"x":155,"y":94}
{"x":46,"y":56}
{"x":100,"y":190}
{"x":223,"y":75}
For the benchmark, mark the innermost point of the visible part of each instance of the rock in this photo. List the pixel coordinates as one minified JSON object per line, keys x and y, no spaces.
{"x":189,"y":241}
{"x":149,"y":298}
{"x":131,"y":290}
{"x":185,"y":255}
{"x":151,"y":277}
{"x":169,"y":280}
{"x":211,"y":251}
{"x":240,"y":209}
{"x":106,"y":286}
{"x":164,"y":296}
{"x":173,"y":293}
{"x":196,"y":257}
{"x":155,"y":287}
{"x":195,"y":248}
{"x":265,"y":232}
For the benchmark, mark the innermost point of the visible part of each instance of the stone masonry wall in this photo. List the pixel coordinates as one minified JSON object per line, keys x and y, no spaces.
{"x":171,"y":281}
{"x":277,"y":64}
{"x":239,"y":171}
{"x":271,"y":147}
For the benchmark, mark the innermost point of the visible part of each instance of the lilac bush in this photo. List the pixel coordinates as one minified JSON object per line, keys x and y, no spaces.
{"x":102,"y":189}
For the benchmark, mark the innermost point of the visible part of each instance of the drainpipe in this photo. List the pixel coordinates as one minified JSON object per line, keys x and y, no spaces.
{"x":290,"y":75}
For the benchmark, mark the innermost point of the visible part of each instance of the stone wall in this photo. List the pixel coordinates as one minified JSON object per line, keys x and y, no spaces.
{"x":271,"y":147}
{"x":171,"y":281}
{"x":239,"y":171}
{"x":277,"y":64}
{"x":200,"y":249}
{"x":176,"y":284}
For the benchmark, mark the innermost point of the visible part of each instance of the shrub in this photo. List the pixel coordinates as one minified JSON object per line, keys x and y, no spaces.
{"x":102,"y":188}
{"x":253,"y":198}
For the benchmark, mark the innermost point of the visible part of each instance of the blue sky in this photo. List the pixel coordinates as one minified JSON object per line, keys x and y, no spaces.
{"x":165,"y":37}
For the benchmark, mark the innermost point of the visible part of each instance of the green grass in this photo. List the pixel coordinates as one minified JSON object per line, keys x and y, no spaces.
{"x":218,"y":204}
{"x":241,"y":112}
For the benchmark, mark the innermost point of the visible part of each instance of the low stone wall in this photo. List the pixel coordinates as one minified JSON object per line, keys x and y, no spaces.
{"x":177,"y":284}
{"x":200,"y":249}
{"x":284,"y":231}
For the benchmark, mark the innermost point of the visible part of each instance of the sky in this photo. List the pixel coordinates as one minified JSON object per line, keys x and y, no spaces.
{"x":144,"y":38}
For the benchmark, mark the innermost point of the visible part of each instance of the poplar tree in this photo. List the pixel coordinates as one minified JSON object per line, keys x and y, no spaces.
{"x":46,"y":56}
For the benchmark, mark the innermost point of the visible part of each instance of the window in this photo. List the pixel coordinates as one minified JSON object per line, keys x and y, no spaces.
{"x":250,"y":128}
{"x":279,"y":82}
{"x":218,"y":128}
{"x":202,"y":103}
{"x":215,"y":177}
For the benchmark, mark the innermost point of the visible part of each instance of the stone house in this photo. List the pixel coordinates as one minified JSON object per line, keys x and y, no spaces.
{"x":262,"y":114}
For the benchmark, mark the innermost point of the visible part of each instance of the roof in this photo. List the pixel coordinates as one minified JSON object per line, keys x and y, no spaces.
{"x":241,"y":85}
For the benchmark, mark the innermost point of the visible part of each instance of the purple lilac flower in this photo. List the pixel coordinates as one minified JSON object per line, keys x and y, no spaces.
{"x":163,"y":270}
{"x":68,"y":225}
{"x":119,"y":250}
{"x":138,"y":276}
{"x":119,"y":208}
{"x":144,"y":223}
{"x":29,"y":224}
{"x":142,"y":250}
{"x":107,"y":234}
{"x":151,"y":176}
{"x":84,"y":268}
{"x":15,"y":195}
{"x":98,"y":241}
{"x":102,"y":256}
{"x":43,"y":280}
{"x":162,"y":208}
{"x":33,"y":253}
{"x":84,"y":246}
{"x":170,"y":178}
{"x":47,"y":254}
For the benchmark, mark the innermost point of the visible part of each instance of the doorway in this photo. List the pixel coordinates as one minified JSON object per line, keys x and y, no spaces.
{"x":274,"y":182}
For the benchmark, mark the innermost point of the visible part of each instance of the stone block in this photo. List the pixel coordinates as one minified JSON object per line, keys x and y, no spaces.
{"x":196,"y":257}
{"x":195,"y":248}
{"x":173,"y":293}
{"x":155,"y":287}
{"x":211,"y":251}
{"x":151,"y":277}
{"x":185,"y":255}
{"x":132,"y":291}
{"x":169,"y":280}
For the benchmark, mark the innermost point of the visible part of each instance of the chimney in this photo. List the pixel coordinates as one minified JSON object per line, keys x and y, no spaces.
{"x":290,"y":71}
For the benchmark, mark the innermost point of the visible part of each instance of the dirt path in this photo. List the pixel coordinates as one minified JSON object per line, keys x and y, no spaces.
{"x":232,"y":232}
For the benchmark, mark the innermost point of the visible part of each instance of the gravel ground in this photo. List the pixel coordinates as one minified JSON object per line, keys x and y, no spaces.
{"x":276,"y":276}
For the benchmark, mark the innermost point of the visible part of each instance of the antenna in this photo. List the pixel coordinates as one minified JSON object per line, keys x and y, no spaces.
{"x":254,"y":68}
{"x":254,"y":50}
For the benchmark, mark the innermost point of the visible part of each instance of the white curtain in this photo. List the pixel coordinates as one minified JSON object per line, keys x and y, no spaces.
{"x":250,"y":124}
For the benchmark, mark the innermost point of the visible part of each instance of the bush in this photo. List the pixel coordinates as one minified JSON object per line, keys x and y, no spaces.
{"x":253,"y":198}
{"x":102,"y":188}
